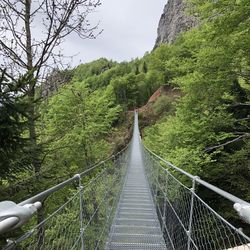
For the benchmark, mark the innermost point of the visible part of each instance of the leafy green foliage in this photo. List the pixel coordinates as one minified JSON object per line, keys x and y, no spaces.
{"x":162,"y":105}
{"x":133,"y":82}
{"x":76,"y":122}
{"x":208,"y":133}
{"x":94,"y":68}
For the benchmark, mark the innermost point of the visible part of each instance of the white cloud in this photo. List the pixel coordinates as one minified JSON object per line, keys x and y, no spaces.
{"x":130,"y":29}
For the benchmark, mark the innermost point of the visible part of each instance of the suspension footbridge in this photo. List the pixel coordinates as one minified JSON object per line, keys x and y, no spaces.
{"x":132,"y":200}
{"x":136,"y":225}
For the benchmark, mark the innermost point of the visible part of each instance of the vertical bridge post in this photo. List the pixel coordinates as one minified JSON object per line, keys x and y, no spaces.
{"x":164,"y":207}
{"x":189,"y":232}
{"x":81,"y":210}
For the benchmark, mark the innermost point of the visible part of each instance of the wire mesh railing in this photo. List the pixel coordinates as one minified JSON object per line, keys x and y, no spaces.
{"x":78,"y":213}
{"x":186,"y":220}
{"x":83,"y":221}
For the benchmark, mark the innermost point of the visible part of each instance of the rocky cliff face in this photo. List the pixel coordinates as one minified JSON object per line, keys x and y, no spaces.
{"x":173,"y":21}
{"x":54,"y":81}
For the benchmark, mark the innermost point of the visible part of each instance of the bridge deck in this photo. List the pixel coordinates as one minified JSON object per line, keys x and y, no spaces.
{"x":136,"y":225}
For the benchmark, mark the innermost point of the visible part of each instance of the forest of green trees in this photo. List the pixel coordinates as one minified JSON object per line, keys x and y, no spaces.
{"x":206,"y":133}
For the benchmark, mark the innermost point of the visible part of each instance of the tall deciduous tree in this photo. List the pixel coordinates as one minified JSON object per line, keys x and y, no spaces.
{"x":30,"y":33}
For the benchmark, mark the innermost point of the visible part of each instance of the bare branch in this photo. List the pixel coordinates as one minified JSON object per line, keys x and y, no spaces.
{"x":3,"y":72}
{"x":11,"y":53}
{"x":246,"y":105}
{"x":242,"y":137}
{"x":13,"y":7}
{"x":38,"y":8}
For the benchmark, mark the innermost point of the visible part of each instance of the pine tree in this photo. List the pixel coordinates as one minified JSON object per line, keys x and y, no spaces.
{"x":14,"y":153}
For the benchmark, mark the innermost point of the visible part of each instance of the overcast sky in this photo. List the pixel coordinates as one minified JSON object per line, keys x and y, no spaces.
{"x":130,"y":29}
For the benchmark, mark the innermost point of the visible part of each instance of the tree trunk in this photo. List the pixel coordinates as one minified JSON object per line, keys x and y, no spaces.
{"x":32,"y":113}
{"x":32,"y":117}
{"x":33,"y":139}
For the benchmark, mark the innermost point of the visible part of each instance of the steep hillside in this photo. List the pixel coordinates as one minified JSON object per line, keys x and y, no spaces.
{"x":160,"y":104}
{"x":208,"y":133}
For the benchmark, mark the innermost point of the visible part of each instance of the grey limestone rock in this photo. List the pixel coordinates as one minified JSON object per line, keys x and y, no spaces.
{"x":173,"y":21}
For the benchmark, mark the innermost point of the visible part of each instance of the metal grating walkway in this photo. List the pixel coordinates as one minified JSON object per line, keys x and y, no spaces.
{"x":135,"y":225}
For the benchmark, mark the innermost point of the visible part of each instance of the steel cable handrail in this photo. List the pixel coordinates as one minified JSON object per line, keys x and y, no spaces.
{"x":41,"y":196}
{"x":104,"y":181}
{"x":32,"y":204}
{"x":187,"y":213}
{"x":213,"y":188}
